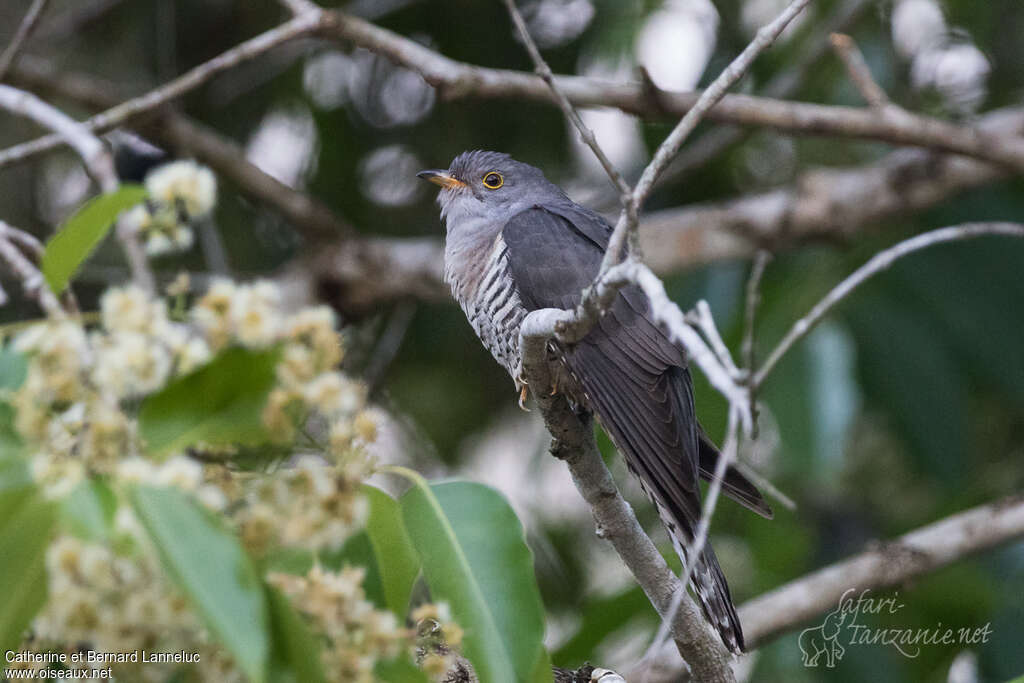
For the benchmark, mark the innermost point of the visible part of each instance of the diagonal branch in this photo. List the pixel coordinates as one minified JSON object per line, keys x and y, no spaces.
{"x":298,"y":27}
{"x":28,"y":24}
{"x":890,"y":563}
{"x":884,"y":564}
{"x":857,"y":68}
{"x":586,"y":134}
{"x":32,"y":281}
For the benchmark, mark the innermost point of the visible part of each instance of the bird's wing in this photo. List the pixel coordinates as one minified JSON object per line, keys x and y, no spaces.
{"x":554,"y":253}
{"x":634,"y":379}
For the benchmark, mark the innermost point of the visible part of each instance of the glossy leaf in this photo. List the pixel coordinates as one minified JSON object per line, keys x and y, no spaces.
{"x":83,"y":232}
{"x":24,"y":537}
{"x":397,"y":561}
{"x":13,"y":368}
{"x":221,"y":402}
{"x":16,"y":485}
{"x":88,"y":511}
{"x":295,"y":653}
{"x":475,"y":557}
{"x":211,"y":568}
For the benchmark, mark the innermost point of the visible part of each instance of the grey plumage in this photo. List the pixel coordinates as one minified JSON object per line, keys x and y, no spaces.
{"x":516,"y":243}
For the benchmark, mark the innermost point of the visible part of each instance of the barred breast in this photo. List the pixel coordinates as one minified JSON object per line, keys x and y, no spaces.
{"x":487,"y":294}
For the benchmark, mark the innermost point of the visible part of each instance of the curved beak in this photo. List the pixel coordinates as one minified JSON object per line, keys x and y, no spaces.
{"x":440,"y":177}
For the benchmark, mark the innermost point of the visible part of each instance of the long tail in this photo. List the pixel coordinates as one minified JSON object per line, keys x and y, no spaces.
{"x":708,"y":584}
{"x":649,"y":415}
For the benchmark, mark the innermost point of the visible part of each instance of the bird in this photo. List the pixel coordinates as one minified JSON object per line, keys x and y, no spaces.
{"x":516,"y":243}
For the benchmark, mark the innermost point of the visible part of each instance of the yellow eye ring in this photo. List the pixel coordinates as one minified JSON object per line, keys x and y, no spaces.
{"x":493,"y":180}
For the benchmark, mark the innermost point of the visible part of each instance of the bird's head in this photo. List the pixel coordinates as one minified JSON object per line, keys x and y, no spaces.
{"x":489,"y":188}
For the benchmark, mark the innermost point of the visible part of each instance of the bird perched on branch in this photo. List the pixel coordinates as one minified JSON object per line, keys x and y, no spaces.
{"x":516,"y":243}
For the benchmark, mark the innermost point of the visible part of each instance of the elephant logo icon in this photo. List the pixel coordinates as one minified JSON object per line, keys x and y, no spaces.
{"x":823,"y":640}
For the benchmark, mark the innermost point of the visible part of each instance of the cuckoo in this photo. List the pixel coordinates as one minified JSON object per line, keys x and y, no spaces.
{"x":516,"y":243}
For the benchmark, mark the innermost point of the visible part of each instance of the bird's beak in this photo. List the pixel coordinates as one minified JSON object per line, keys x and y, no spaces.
{"x":441,"y":177}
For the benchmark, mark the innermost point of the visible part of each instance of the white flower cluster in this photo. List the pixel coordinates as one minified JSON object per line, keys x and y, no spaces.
{"x":941,"y":58}
{"x":69,"y":410}
{"x":115,"y":603}
{"x":356,"y":632}
{"x":179,"y":192}
{"x":77,"y":415}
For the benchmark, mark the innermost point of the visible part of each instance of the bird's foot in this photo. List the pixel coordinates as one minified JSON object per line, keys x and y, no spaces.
{"x":522,"y":398}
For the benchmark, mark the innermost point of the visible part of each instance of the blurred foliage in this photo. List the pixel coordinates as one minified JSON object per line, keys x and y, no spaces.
{"x":905,"y":406}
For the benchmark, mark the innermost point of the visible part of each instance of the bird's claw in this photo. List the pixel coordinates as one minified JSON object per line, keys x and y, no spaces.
{"x":522,"y":397}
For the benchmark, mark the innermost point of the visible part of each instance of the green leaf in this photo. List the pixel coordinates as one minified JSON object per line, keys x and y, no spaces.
{"x":15,"y":485}
{"x":212,"y":569}
{"x":13,"y":368}
{"x":10,"y":441}
{"x":475,"y":557}
{"x":81,"y":234}
{"x":397,"y":560}
{"x":295,"y":653}
{"x":358,"y":552}
{"x":88,"y":511}
{"x":24,"y":537}
{"x":221,"y":402}
{"x":399,"y":670}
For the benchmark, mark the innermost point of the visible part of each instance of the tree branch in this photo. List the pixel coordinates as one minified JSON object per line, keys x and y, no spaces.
{"x":892,"y":563}
{"x":25,"y":29}
{"x":830,"y":204}
{"x":882,"y":565}
{"x":96,"y":157}
{"x":32,"y":281}
{"x":457,"y":79}
{"x":857,"y":68}
{"x":298,"y":27}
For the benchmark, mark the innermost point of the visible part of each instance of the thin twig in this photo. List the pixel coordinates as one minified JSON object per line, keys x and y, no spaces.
{"x":626,"y":225}
{"x":300,"y":26}
{"x":32,"y":281}
{"x":879,"y":262}
{"x":782,"y":85}
{"x":857,"y":68}
{"x":299,"y":7}
{"x":705,"y":322}
{"x":33,"y":249}
{"x":586,"y":134}
{"x":753,"y":301}
{"x":28,"y":24}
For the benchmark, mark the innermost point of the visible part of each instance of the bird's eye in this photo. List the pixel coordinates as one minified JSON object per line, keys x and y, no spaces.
{"x":493,"y":180}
